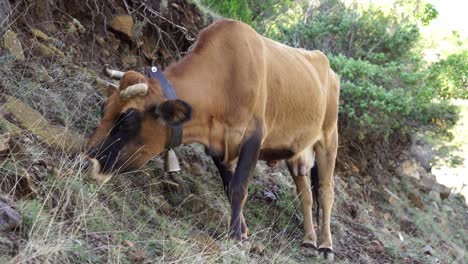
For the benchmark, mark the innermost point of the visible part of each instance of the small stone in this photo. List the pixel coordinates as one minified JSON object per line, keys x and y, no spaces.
{"x":39,"y":34}
{"x":78,"y":25}
{"x":13,"y":45}
{"x":428,"y":250}
{"x":123,"y":24}
{"x":9,"y":217}
{"x":270,"y":196}
{"x":409,"y":168}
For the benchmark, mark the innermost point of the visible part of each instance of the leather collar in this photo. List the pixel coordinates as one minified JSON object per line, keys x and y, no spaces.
{"x":175,"y":132}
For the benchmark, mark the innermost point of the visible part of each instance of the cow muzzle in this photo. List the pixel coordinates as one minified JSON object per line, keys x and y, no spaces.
{"x":92,"y":166}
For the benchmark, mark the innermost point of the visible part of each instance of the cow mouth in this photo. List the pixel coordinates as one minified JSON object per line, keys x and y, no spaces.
{"x":96,"y":173}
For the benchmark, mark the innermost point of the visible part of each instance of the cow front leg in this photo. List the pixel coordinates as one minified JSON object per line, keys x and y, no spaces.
{"x":226,"y":174}
{"x":326,"y":154}
{"x":238,"y":186}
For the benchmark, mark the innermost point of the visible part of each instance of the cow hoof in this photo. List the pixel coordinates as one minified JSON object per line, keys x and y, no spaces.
{"x":326,"y":253}
{"x":244,"y":237}
{"x":308,"y":249}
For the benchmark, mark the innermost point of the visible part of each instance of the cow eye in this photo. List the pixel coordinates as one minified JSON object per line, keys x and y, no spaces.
{"x":152,"y":110}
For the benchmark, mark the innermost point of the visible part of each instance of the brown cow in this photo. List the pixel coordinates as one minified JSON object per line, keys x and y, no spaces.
{"x":244,"y":97}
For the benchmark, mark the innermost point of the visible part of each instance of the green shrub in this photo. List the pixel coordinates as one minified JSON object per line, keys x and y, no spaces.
{"x":235,"y":9}
{"x":449,"y":77}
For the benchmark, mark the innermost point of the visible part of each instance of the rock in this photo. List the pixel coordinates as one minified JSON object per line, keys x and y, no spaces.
{"x":49,"y":50}
{"x":416,"y":200}
{"x":13,"y":45}
{"x":428,"y":250}
{"x":410,"y":168}
{"x":123,"y":24}
{"x":269,"y":196}
{"x":422,"y":151}
{"x":4,"y":141}
{"x":9,"y":217}
{"x":75,"y":26}
{"x":39,"y":34}
{"x":430,"y":184}
{"x":53,"y":135}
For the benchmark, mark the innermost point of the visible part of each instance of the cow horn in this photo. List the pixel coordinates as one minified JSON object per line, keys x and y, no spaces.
{"x":113,"y":73}
{"x":134,"y":90}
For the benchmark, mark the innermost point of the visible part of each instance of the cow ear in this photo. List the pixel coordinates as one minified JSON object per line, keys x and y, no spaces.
{"x":111,"y":88}
{"x":174,"y":112}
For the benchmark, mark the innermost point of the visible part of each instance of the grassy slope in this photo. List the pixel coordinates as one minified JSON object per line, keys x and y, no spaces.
{"x":158,"y":218}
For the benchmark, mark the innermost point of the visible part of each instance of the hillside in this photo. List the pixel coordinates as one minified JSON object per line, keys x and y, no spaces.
{"x":388,"y":208}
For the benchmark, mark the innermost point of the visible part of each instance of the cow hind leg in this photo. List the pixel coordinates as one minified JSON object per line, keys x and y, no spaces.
{"x":302,"y":181}
{"x":326,"y":150}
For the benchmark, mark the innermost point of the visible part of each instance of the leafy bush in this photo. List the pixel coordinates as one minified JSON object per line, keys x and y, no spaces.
{"x":449,"y":77}
{"x":236,"y":9}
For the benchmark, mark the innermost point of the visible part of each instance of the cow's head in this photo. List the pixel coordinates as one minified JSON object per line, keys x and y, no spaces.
{"x":134,"y":126}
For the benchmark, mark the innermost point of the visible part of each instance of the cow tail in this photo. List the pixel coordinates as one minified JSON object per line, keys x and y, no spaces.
{"x":314,"y":182}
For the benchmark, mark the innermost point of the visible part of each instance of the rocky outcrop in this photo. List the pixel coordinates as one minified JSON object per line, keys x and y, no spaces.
{"x":427,"y":181}
{"x":53,"y":135}
{"x":12,"y":43}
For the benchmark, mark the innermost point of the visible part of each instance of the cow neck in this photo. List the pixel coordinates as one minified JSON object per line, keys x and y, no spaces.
{"x":185,"y":79}
{"x":175,"y":132}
